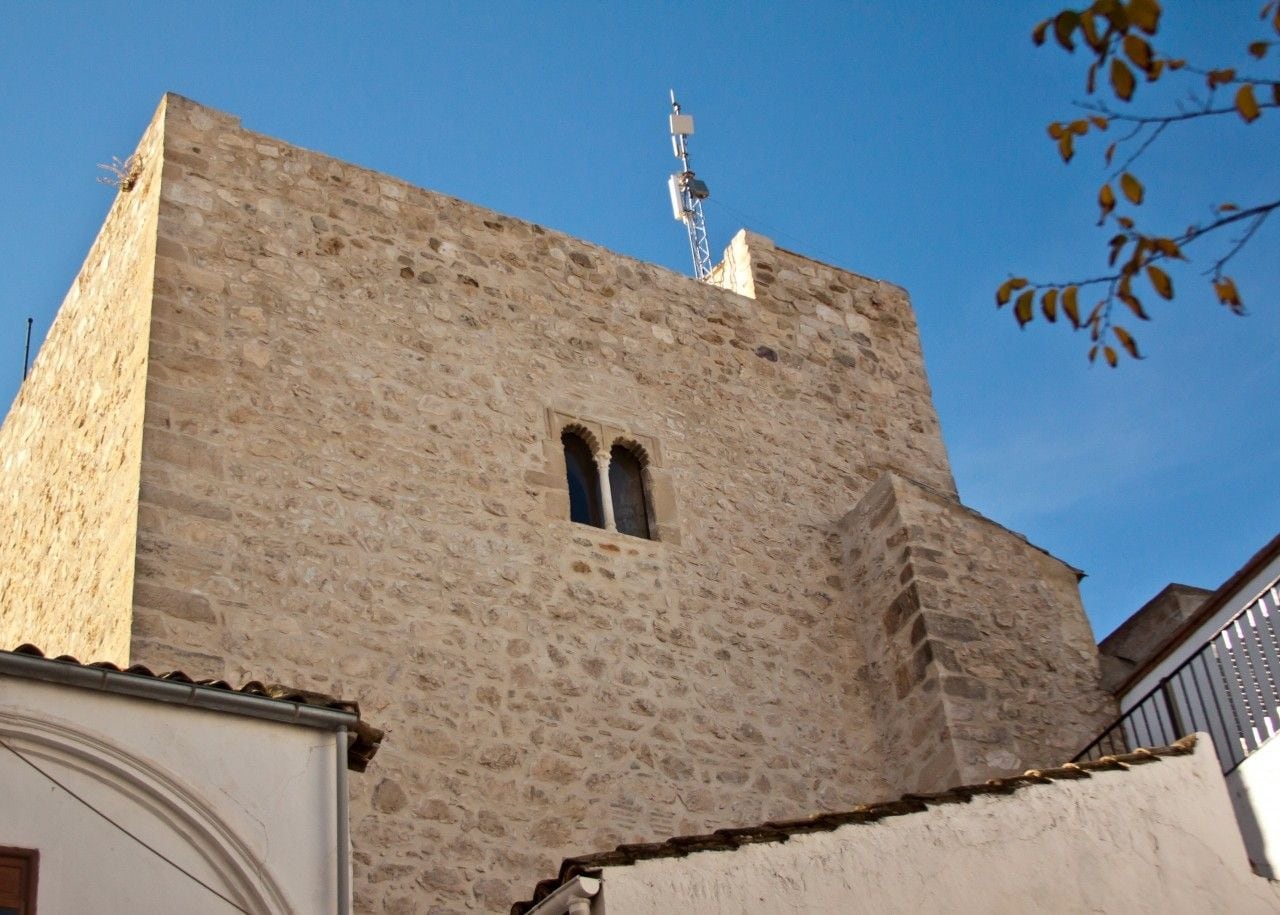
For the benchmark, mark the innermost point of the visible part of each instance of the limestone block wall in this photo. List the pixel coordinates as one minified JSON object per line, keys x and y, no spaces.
{"x":858,"y":335}
{"x":70,"y":446}
{"x":977,"y":636}
{"x":349,"y":483}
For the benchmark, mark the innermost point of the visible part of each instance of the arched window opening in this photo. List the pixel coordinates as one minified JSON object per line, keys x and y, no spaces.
{"x":630,"y":502}
{"x":584,"y":481}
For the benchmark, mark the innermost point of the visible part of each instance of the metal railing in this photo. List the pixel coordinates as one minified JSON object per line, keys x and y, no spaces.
{"x":1228,"y":688}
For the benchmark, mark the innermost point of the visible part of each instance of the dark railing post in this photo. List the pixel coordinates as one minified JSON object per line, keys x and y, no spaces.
{"x":1171,"y":707}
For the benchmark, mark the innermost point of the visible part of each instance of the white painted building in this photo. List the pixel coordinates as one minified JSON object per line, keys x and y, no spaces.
{"x":128,"y":792}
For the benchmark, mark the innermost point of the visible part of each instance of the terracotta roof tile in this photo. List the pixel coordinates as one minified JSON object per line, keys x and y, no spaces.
{"x":363,"y":739}
{"x":782,"y":830}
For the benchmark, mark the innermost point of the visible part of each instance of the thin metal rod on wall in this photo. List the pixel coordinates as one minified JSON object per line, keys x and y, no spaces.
{"x":26,"y":353}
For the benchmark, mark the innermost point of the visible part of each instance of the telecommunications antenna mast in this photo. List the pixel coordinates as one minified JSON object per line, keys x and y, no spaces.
{"x":687,"y":192}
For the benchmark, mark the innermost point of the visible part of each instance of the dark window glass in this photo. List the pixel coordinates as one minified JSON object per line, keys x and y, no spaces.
{"x":626,"y":479}
{"x":584,"y":481}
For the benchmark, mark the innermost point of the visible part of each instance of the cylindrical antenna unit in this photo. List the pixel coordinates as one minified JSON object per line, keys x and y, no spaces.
{"x":687,"y":192}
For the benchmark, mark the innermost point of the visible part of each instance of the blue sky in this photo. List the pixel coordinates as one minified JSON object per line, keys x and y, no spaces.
{"x":902,"y":141}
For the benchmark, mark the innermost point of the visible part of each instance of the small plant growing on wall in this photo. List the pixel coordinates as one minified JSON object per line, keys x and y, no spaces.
{"x":123,"y":173}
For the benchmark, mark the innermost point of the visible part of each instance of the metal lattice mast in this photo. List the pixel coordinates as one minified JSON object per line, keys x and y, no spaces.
{"x":687,"y":192}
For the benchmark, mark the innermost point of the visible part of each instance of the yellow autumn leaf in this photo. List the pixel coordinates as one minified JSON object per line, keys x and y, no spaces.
{"x":1137,"y":51}
{"x":1126,"y":340}
{"x":1063,"y":25}
{"x":1022,"y":307}
{"x":1049,"y":305}
{"x":1145,"y":14}
{"x":1246,"y":104}
{"x":1160,"y":281}
{"x":1259,"y":49}
{"x":1124,"y":292}
{"x":1089,"y":28}
{"x":1069,"y":305}
{"x":1131,"y":187}
{"x":1110,"y":353}
{"x":1006,"y":289}
{"x":1121,"y":79}
{"x":1117,"y":244}
{"x":1225,"y":287}
{"x":1107,"y":201}
{"x":1216,"y":78}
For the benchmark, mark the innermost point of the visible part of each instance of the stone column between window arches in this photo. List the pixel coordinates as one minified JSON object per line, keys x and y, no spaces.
{"x":549,"y":477}
{"x":606,"y":492}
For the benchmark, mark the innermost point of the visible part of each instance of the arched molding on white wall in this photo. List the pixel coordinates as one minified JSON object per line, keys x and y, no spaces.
{"x":170,"y":801}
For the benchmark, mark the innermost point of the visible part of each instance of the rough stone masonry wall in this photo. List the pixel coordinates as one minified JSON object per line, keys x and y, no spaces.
{"x":348,"y":484}
{"x":901,"y":680}
{"x":70,"y":446}
{"x":978,"y":637}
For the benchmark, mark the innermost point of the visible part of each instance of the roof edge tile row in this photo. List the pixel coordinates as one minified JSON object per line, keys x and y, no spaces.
{"x":363,"y":739}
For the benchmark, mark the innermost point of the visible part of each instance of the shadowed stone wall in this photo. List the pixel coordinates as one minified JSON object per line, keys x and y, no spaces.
{"x":1146,"y":632}
{"x":982,"y":661}
{"x":70,"y":446}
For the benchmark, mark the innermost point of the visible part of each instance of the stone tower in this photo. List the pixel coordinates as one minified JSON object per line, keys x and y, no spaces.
{"x":302,"y":421}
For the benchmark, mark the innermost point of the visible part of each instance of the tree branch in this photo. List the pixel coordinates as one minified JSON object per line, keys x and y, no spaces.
{"x":1259,"y":219}
{"x":1138,"y":152}
{"x":1164,"y":118}
{"x":1193,"y":234}
{"x":1235,"y":80}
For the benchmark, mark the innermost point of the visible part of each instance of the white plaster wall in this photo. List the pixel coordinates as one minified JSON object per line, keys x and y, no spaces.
{"x":1159,"y":838}
{"x":247,"y":806}
{"x":1255,"y":794}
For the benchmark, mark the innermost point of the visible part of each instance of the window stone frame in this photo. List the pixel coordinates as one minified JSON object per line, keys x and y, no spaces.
{"x":601,"y":436}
